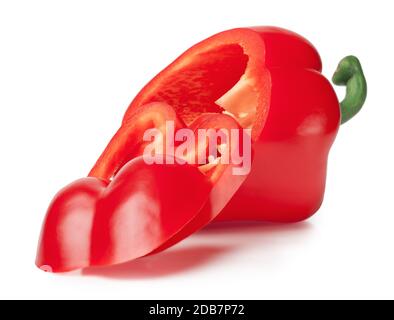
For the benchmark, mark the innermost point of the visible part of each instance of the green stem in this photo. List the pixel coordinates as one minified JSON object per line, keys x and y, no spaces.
{"x":350,"y":74}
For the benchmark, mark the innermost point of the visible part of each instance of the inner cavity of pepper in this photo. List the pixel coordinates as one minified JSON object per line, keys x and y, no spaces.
{"x":212,"y":81}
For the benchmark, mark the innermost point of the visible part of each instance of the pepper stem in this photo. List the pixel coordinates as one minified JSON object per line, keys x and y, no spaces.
{"x":350,"y":74}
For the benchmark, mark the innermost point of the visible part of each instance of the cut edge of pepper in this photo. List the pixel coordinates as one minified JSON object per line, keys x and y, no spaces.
{"x":251,"y":87}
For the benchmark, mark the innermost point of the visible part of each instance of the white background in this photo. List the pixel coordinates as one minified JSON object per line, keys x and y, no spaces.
{"x":69,"y":69}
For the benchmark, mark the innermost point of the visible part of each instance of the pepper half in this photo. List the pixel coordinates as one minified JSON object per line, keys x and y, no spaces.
{"x":270,"y":78}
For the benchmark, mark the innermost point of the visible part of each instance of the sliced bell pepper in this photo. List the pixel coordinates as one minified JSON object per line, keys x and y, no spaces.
{"x":127,"y":208}
{"x":223,"y":182}
{"x":265,"y":79}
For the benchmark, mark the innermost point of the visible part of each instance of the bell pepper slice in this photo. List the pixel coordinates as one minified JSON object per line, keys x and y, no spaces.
{"x":143,"y":207}
{"x":92,"y":222}
{"x":220,"y":174}
{"x":65,"y":240}
{"x":134,"y":209}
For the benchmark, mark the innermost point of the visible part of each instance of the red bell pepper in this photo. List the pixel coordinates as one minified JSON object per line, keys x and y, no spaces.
{"x":264,"y":79}
{"x":269,"y":78}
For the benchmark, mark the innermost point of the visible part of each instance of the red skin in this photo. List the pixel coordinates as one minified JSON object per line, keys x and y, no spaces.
{"x":91,"y":222}
{"x":64,"y":243}
{"x":287,"y":180}
{"x":288,"y":175}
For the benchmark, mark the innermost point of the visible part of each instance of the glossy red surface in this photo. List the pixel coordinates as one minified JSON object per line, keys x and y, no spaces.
{"x":65,"y":236}
{"x":91,"y":223}
{"x":144,"y":207}
{"x":288,"y":174}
